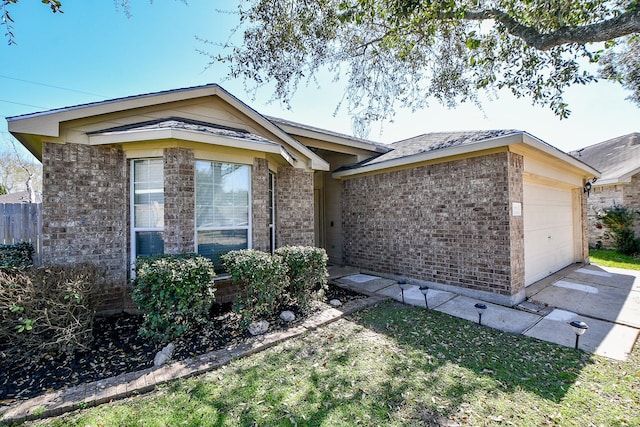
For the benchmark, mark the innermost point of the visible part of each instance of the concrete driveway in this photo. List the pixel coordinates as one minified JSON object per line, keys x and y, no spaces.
{"x":602,"y":293}
{"x":607,"y":299}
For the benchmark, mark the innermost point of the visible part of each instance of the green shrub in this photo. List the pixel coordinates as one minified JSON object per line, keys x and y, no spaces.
{"x":263,"y":279}
{"x":307,"y":271}
{"x":47,"y":310}
{"x":619,"y":222}
{"x":15,"y":257}
{"x":174,"y":293}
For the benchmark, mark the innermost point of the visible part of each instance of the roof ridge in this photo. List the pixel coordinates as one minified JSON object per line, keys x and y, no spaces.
{"x":117,"y":99}
{"x":459,"y":132}
{"x":604,"y":142}
{"x":175,"y":118}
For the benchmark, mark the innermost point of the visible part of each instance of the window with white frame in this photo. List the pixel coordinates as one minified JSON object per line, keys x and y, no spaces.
{"x":222,"y":208}
{"x":147,"y":207}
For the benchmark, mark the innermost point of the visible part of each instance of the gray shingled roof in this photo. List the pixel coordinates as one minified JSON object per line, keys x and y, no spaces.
{"x":186,"y":124}
{"x":380,"y":147}
{"x":614,"y":158}
{"x":437,"y":141}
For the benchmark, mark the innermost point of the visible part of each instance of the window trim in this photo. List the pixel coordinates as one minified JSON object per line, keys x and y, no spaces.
{"x":132,"y":210}
{"x":249,"y":226}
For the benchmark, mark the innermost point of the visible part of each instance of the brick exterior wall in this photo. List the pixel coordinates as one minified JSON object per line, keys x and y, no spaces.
{"x":516,"y":223}
{"x":632,"y":199}
{"x":85,"y":213}
{"x":294,"y":207}
{"x":179,"y":201}
{"x":447,"y":223}
{"x":601,"y":197}
{"x":579,"y":194}
{"x":260,"y":204}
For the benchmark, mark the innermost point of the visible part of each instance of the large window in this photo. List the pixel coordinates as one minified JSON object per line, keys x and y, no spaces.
{"x":222,"y":208}
{"x":147,"y":207}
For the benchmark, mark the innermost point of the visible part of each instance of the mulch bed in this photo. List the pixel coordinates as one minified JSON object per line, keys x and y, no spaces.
{"x":117,"y":348}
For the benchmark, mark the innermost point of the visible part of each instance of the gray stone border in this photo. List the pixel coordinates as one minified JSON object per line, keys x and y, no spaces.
{"x":128,"y":384}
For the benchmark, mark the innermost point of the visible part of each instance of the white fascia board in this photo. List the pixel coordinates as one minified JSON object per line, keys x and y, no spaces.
{"x":315,"y":162}
{"x":538,"y":144}
{"x":610,"y":181}
{"x":190,"y":136}
{"x":433,"y":155}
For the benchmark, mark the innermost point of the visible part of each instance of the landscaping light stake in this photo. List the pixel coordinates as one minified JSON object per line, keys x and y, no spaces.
{"x":403,"y":285}
{"x":425,"y":290}
{"x":480,"y":308}
{"x":579,"y":328}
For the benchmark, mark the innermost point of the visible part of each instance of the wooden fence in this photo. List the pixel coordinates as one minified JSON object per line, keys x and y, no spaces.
{"x":22,"y":222}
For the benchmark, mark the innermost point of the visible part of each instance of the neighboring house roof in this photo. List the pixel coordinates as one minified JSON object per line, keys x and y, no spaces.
{"x":19,"y":197}
{"x":437,"y":145}
{"x":617,"y":159}
{"x":328,"y":135}
{"x":47,"y":123}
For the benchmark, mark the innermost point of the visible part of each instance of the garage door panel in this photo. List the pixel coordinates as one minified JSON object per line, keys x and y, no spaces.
{"x":548,"y":230}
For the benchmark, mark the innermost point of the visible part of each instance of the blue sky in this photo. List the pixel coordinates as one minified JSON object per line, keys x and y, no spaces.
{"x":94,"y":51}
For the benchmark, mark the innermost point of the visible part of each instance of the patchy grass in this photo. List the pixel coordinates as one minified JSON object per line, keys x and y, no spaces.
{"x":611,"y":258}
{"x":393,"y":365}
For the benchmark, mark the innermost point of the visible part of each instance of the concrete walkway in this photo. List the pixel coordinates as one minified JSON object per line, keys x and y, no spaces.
{"x":608,"y":300}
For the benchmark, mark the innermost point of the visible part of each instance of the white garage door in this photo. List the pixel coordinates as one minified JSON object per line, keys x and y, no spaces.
{"x":548,"y":231}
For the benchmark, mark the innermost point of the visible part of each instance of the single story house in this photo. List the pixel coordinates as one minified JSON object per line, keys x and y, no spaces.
{"x":196,"y":170}
{"x":618,"y":161}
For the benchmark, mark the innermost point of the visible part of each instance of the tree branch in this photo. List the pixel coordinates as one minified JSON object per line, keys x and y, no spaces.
{"x":621,"y":25}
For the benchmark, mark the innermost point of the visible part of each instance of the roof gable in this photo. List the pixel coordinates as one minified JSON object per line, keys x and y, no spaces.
{"x":29,"y":129}
{"x":442,"y":145}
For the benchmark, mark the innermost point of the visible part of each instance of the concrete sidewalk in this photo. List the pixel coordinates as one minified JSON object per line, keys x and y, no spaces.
{"x":608,"y":300}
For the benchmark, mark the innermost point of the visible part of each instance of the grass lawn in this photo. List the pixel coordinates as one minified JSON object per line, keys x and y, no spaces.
{"x":393,"y":365}
{"x":611,"y":258}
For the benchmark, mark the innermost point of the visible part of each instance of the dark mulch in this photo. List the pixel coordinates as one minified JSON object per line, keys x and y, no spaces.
{"x":117,"y":348}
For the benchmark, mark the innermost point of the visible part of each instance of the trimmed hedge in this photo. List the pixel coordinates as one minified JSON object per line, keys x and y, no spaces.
{"x":294,"y":275}
{"x":16,"y":257}
{"x":47,"y":310}
{"x":307,"y":271}
{"x":263,"y":278}
{"x":174,"y":293}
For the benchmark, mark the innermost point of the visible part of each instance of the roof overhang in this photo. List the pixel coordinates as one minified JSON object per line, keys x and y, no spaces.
{"x":327,"y":136}
{"x":519,"y":138}
{"x":30,"y":129}
{"x":622,"y":179}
